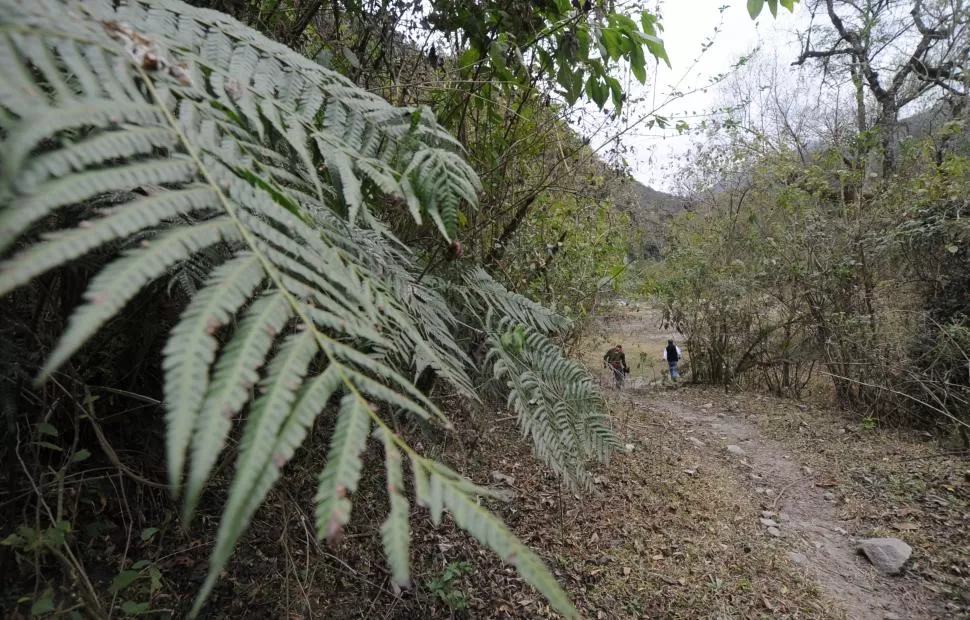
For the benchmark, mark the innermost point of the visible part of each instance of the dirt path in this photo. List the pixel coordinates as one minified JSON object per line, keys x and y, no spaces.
{"x":803,"y":514}
{"x":798,"y":508}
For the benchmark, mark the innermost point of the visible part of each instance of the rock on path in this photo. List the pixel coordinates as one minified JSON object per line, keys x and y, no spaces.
{"x":886,"y":554}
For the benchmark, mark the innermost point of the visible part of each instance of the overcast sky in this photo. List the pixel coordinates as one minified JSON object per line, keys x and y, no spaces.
{"x":687,"y":25}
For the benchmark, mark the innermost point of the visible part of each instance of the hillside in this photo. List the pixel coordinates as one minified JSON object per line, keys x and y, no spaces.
{"x":651,"y":210}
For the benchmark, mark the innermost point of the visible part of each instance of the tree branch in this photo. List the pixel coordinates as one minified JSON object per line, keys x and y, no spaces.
{"x":859,"y":52}
{"x":807,"y":53}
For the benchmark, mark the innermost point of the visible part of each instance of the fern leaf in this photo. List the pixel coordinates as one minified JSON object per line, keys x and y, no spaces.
{"x":119,"y":222}
{"x":122,"y":279}
{"x":491,"y":532}
{"x":191,"y":349}
{"x":368,"y":365}
{"x":70,"y":53}
{"x":112,"y":145}
{"x":556,"y":403}
{"x":21,"y":96}
{"x":272,"y":435}
{"x":390,"y":396}
{"x":395,"y":531}
{"x":342,"y":472}
{"x":42,"y":59}
{"x":284,"y":159}
{"x":422,"y":487}
{"x":46,"y":122}
{"x":286,"y":373}
{"x":235,"y":375}
{"x":346,"y":181}
{"x":436,"y":498}
{"x":78,"y":187}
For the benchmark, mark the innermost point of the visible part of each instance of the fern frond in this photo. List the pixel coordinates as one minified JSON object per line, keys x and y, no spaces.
{"x":235,"y":375}
{"x":112,"y":145}
{"x":79,"y":187}
{"x":117,"y":223}
{"x":395,"y":531}
{"x":46,"y":122}
{"x":444,"y":184}
{"x":191,"y":349}
{"x":486,"y":296}
{"x":556,"y":401}
{"x":259,"y":468}
{"x":286,"y":373}
{"x":343,"y":468}
{"x":270,"y":164}
{"x":491,"y":532}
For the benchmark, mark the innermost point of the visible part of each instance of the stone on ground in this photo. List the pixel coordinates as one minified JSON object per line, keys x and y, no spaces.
{"x":886,"y":554}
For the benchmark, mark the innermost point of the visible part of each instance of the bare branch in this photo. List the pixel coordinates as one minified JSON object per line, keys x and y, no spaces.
{"x":859,"y":51}
{"x":807,"y":53}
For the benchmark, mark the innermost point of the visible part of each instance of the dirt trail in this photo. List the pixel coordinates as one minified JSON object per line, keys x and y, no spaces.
{"x":806,"y":517}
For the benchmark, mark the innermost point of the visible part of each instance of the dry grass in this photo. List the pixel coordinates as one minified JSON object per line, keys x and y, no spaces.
{"x":651,"y":541}
{"x":889,"y":482}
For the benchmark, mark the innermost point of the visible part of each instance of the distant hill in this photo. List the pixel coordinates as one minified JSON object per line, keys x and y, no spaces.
{"x":650,"y":210}
{"x":935,"y":118}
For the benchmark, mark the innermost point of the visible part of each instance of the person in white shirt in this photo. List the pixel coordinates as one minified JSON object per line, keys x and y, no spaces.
{"x":672,"y":356}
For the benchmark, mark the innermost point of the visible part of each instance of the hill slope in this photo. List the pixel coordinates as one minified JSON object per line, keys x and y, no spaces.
{"x":650,"y":210}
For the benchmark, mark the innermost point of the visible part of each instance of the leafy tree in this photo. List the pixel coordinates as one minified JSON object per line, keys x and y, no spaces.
{"x":871,"y":41}
{"x":795,"y":258}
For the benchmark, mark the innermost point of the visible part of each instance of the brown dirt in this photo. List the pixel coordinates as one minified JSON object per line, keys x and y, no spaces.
{"x":810,"y":524}
{"x":672,"y":528}
{"x":833,"y":479}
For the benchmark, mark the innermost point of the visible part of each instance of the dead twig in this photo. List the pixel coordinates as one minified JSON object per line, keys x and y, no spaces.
{"x":774,"y":505}
{"x":103,"y":441}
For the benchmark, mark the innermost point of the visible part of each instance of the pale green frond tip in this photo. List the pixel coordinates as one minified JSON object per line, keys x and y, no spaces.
{"x":395,"y":531}
{"x":341,"y":474}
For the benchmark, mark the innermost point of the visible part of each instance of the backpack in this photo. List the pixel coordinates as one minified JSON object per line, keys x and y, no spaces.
{"x":672,"y":355}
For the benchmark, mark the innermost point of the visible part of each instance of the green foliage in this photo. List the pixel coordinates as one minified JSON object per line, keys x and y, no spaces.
{"x":568,"y":251}
{"x":445,"y":588}
{"x":755,"y":6}
{"x":575,"y":47}
{"x":139,"y":581}
{"x":554,"y":398}
{"x":211,"y":139}
{"x":807,"y":262}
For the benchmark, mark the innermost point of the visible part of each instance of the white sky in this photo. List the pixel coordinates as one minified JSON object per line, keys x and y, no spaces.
{"x":687,"y":25}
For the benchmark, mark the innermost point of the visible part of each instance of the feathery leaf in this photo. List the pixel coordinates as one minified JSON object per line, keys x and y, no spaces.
{"x":342,"y":471}
{"x":395,"y":531}
{"x":191,"y":349}
{"x":122,"y":279}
